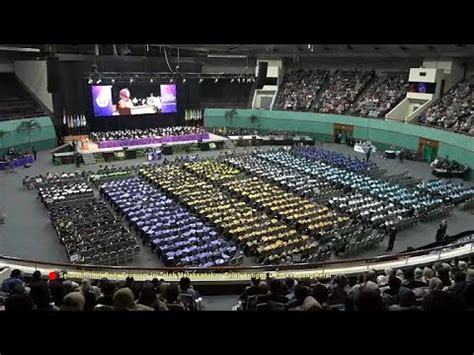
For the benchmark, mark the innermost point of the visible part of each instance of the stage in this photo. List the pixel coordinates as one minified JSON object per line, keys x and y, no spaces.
{"x":93,"y":147}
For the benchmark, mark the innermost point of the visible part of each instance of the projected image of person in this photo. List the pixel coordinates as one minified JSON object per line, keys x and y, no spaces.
{"x":125,"y":104}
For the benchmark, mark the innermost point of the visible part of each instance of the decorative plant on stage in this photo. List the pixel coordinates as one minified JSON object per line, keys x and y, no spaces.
{"x":28,"y":127}
{"x":229,"y":115}
{"x":254,"y":119}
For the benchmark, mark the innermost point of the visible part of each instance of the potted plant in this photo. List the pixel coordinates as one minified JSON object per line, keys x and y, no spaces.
{"x":28,"y":127}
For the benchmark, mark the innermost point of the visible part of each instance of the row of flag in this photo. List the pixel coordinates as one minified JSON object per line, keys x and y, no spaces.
{"x":75,"y":121}
{"x":193,"y":115}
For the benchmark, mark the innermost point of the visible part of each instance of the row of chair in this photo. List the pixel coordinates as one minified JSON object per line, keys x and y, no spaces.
{"x":437,"y":213}
{"x":120,"y":257}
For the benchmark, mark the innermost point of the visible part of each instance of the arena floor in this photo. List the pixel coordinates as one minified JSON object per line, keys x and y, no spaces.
{"x":27,"y":232}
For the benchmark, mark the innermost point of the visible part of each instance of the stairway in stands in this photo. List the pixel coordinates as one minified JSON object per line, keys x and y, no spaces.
{"x":88,"y":158}
{"x":229,"y":144}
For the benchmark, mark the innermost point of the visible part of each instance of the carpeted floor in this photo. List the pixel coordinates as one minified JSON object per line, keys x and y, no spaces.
{"x":28,"y":233}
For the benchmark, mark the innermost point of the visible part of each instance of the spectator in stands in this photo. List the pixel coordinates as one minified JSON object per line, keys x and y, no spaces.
{"x":437,"y":300}
{"x":338,"y":294}
{"x":149,"y":298}
{"x":304,"y":301}
{"x":290,"y":287}
{"x":19,"y":300}
{"x":73,"y":302}
{"x":42,"y":297}
{"x":458,"y":291}
{"x":443,"y":275}
{"x":321,"y":294}
{"x":14,"y":279}
{"x":89,"y":295}
{"x":413,"y":279}
{"x":123,"y":299}
{"x":185,"y":287}
{"x":428,"y":274}
{"x":172,"y":299}
{"x":108,"y":289}
{"x":406,"y":301}
{"x":251,"y":290}
{"x":368,"y":300}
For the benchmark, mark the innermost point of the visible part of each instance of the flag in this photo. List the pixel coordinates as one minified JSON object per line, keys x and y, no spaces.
{"x":64,"y":118}
{"x":71,"y":122}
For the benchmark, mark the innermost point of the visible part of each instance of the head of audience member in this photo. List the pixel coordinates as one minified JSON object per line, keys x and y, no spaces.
{"x":428,"y":274}
{"x":19,"y":300}
{"x":418,"y":274}
{"x":14,"y":279}
{"x":410,"y":275}
{"x":172,"y":294}
{"x":163,"y":288}
{"x":368,"y":300}
{"x":290,"y":284}
{"x":406,"y":297}
{"x":36,"y":276}
{"x":400,"y":274}
{"x":394,"y":283}
{"x":436,"y":284}
{"x":371,"y":275}
{"x":320,"y":293}
{"x":443,"y":275}
{"x":147,"y":294}
{"x":459,"y":277}
{"x":470,"y":274}
{"x":184,"y":284}
{"x":462,"y":265}
{"x":123,"y":300}
{"x":156,"y":284}
{"x":388,"y":272}
{"x":262,"y":288}
{"x":73,"y":301}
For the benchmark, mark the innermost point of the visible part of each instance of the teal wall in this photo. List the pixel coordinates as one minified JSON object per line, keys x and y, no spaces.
{"x":42,"y":139}
{"x":321,"y":127}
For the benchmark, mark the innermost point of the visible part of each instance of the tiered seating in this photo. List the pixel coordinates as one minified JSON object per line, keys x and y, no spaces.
{"x":15,"y":101}
{"x":268,"y":239}
{"x":451,"y":192}
{"x":343,"y":89}
{"x":288,"y":207}
{"x":299,"y":89}
{"x":384,"y":93}
{"x":453,"y":111}
{"x":212,"y":170}
{"x":179,"y":238}
{"x":376,"y":212}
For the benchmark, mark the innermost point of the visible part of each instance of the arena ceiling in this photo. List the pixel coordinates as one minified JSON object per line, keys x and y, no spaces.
{"x":253,"y":50}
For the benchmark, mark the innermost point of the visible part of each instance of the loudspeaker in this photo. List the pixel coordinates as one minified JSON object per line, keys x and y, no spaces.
{"x":262,"y":74}
{"x":52,"y":69}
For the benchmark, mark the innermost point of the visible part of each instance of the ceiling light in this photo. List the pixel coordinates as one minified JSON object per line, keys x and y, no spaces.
{"x":201,"y":80}
{"x":216,"y":80}
{"x":113,"y":81}
{"x":99,"y":81}
{"x":171,"y":80}
{"x":184,"y":80}
{"x":90,"y":81}
{"x":232,"y":80}
{"x":131,"y":80}
{"x":151,"y":80}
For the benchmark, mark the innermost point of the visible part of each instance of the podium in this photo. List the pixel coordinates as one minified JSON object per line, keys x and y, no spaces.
{"x":84,"y":143}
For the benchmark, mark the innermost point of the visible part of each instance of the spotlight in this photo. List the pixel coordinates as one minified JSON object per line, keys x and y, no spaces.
{"x":131,"y":80}
{"x":232,"y":80}
{"x":99,"y":81}
{"x":151,"y":80}
{"x":201,"y":80}
{"x":248,"y":80}
{"x":216,"y":80}
{"x":113,"y":81}
{"x":90,"y":81}
{"x":309,"y":46}
{"x":171,"y":80}
{"x":184,"y":80}
{"x":238,"y":80}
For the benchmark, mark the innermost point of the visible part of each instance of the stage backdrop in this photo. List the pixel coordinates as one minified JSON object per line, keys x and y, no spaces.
{"x":74,"y":93}
{"x":320,"y":126}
